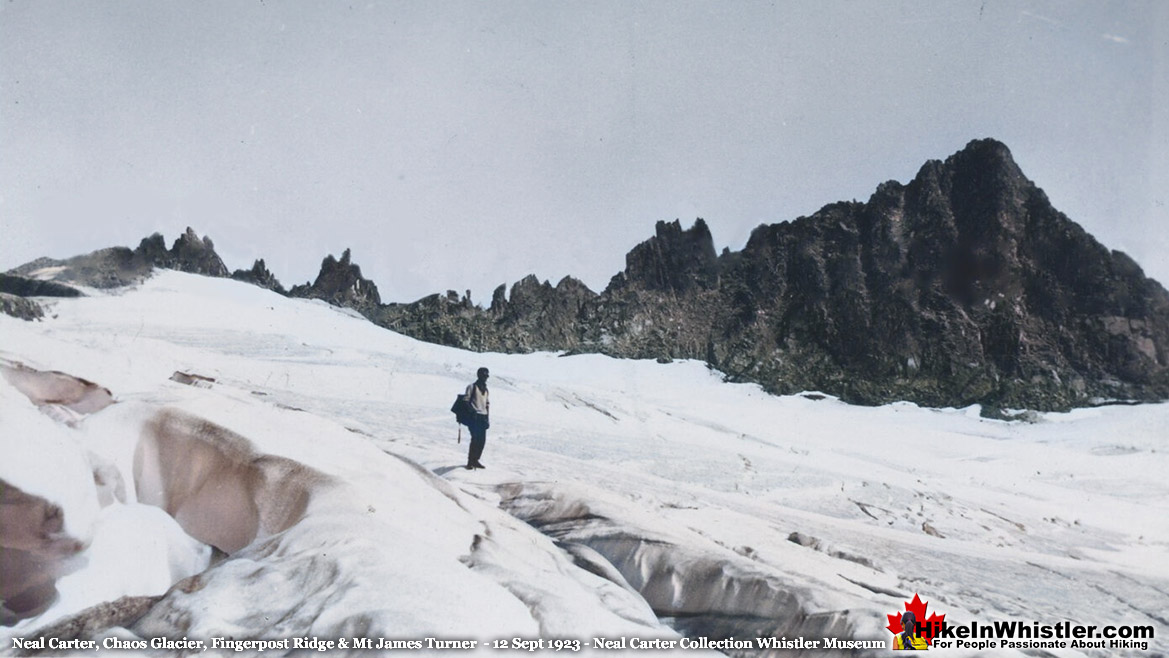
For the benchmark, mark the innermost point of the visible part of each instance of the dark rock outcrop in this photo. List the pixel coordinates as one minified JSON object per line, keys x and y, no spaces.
{"x":197,"y":255}
{"x":537,"y":314}
{"x":19,"y":307}
{"x":259,"y":276}
{"x":190,"y":253}
{"x":14,"y":291}
{"x":444,"y":319}
{"x":674,"y":260}
{"x":340,"y":282}
{"x":26,"y":287}
{"x":105,"y":268}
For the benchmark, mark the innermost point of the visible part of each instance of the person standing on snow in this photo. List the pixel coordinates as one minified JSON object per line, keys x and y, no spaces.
{"x":476,"y":396}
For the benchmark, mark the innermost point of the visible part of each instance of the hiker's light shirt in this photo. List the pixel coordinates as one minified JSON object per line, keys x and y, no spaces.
{"x":478,"y":400}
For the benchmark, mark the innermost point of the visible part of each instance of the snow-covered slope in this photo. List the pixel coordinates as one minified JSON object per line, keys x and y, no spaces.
{"x":315,"y":452}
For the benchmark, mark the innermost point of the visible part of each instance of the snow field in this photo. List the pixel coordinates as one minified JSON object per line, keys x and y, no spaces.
{"x":715,"y":506}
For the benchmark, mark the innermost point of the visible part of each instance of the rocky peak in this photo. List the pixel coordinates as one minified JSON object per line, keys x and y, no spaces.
{"x":259,"y":276}
{"x":120,"y":266}
{"x":340,"y":282}
{"x":575,"y":288}
{"x":153,"y":249}
{"x":964,"y":285}
{"x":453,"y":299}
{"x":190,"y":253}
{"x":987,"y":160}
{"x":674,"y":260}
{"x":531,"y":297}
{"x":499,"y":300}
{"x":526,"y":291}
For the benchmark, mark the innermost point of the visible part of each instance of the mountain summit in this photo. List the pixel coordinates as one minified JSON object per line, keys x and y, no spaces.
{"x":963,"y":286}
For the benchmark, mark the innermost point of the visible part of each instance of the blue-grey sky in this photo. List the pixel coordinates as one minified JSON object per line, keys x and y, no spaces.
{"x":457,"y":145}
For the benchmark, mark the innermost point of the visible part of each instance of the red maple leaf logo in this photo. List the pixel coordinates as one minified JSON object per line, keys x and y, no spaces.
{"x":918,"y":608}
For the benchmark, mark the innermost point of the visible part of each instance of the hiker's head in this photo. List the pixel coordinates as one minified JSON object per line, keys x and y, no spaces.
{"x":909,"y":623}
{"x":482,"y":374}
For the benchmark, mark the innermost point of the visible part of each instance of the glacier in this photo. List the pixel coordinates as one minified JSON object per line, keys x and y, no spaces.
{"x":207,"y":459}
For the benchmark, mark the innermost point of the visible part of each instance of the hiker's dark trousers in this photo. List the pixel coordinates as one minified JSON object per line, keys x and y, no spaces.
{"x":478,"y":429}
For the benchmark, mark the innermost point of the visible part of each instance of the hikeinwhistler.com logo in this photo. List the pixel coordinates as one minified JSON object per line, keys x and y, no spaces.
{"x":913,"y":629}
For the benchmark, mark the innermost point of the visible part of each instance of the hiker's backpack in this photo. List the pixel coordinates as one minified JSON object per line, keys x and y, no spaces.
{"x":462,"y":411}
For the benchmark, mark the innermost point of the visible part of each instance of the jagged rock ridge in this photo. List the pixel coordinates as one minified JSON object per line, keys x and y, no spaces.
{"x":963,"y":286}
{"x":340,"y":282}
{"x":120,"y":266}
{"x":190,"y":253}
{"x":26,"y":287}
{"x":19,"y":307}
{"x":259,"y":276}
